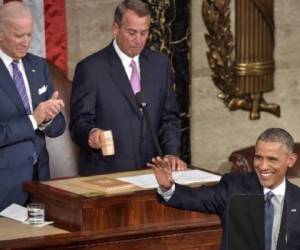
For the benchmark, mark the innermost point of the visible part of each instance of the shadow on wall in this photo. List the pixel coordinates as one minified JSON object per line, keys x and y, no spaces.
{"x":63,"y":153}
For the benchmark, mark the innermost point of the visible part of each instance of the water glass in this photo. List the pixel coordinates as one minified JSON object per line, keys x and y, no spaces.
{"x":36,"y":213}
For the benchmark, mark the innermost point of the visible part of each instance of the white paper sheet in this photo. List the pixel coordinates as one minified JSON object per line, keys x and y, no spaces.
{"x":181,"y":177}
{"x":15,"y":212}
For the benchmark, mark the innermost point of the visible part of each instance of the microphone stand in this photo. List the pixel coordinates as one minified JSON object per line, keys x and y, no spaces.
{"x":143,"y":105}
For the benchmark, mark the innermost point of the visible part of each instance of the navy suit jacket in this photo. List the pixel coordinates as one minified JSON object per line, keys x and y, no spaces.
{"x":218,"y":199}
{"x":18,"y":139}
{"x":102,"y":97}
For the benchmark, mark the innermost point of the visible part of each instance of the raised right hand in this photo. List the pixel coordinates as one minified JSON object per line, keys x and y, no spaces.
{"x":163,"y":172}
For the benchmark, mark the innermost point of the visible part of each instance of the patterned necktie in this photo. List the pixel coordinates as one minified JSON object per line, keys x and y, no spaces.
{"x":19,"y":82}
{"x":135,"y":79}
{"x":269,"y":217}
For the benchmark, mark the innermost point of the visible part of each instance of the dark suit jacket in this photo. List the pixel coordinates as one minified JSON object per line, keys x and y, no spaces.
{"x":102,"y":97}
{"x":18,"y":140}
{"x":220,"y":198}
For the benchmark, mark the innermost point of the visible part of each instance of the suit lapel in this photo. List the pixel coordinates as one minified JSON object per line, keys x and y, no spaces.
{"x":292,"y":214}
{"x":146,"y":77}
{"x":120,"y":78}
{"x":32,"y":80}
{"x":7,"y":84}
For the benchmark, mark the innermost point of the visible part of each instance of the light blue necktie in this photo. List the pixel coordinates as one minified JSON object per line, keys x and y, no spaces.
{"x":269,"y":217}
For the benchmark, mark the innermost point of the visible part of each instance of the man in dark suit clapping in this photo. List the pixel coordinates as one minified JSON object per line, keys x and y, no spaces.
{"x":29,"y":109}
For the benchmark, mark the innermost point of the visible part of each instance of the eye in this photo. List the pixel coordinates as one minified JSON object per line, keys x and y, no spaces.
{"x":271,"y":159}
{"x":257,"y":157}
{"x":145,"y":33}
{"x":132,"y":32}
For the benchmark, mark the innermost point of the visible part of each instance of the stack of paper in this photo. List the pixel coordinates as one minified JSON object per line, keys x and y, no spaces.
{"x":181,"y":177}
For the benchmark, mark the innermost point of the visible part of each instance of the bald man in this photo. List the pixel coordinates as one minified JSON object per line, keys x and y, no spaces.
{"x":29,"y":109}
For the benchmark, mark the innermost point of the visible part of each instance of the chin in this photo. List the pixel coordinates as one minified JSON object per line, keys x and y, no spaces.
{"x":265,"y":184}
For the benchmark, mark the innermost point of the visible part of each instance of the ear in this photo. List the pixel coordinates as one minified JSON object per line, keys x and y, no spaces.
{"x":292,"y":159}
{"x":115,"y":29}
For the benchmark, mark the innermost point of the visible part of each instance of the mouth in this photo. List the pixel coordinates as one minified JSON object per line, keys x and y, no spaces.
{"x":265,"y":176}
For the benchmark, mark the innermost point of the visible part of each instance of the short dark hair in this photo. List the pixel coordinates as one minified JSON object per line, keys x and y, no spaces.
{"x":137,"y":6}
{"x":278,"y":135}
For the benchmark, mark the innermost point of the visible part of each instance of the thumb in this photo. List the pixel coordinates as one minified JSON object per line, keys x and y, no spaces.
{"x":55,"y":95}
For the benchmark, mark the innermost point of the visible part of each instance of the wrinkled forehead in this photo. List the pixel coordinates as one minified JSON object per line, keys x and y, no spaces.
{"x":271,"y":145}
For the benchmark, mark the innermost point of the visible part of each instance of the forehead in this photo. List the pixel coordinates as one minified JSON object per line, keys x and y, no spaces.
{"x":269,"y":147}
{"x":130,"y":18}
{"x":18,"y":23}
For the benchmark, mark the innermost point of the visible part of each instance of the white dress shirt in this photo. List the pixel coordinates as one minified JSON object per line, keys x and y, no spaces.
{"x":126,"y":60}
{"x":278,"y":202}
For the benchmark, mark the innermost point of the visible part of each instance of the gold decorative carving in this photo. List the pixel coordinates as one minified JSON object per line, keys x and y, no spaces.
{"x":160,"y":34}
{"x":242,"y":80}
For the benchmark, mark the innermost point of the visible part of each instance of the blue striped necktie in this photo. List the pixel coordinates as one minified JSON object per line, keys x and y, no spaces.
{"x":19,"y":82}
{"x":269,"y":217}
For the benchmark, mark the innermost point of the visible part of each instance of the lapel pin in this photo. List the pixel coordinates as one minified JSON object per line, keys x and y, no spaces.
{"x":293,"y":210}
{"x":33,"y":70}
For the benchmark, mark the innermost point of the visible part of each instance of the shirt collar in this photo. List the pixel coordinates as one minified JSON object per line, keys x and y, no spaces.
{"x":126,"y":60}
{"x":7,"y":60}
{"x":279,"y":191}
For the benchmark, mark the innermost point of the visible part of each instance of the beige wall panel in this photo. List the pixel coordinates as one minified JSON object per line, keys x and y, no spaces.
{"x":89,"y":28}
{"x":215,"y":130}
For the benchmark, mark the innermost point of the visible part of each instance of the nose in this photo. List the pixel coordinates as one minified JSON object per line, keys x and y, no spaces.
{"x":26,"y":41}
{"x":138,"y":38}
{"x":263,"y":165}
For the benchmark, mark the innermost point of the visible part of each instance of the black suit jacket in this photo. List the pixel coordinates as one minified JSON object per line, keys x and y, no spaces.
{"x":240,"y":196}
{"x":18,"y":139}
{"x":102,"y":97}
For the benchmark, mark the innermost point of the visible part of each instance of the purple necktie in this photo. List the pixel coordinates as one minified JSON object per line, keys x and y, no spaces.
{"x":19,"y":82}
{"x":135,"y":79}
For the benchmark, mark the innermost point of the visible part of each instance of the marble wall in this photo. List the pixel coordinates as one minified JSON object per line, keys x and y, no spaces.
{"x":216,"y":131}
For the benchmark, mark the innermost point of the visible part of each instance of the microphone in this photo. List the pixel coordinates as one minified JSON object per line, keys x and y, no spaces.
{"x":140,"y":99}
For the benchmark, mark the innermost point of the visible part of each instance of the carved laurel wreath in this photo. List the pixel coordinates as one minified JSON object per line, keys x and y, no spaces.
{"x":216,"y":16}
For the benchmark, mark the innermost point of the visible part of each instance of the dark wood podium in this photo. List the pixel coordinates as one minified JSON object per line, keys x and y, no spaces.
{"x":133,"y":220}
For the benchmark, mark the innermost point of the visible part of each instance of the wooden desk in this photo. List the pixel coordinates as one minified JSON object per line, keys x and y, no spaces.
{"x":132,"y":220}
{"x":158,"y":236}
{"x":11,"y":229}
{"x":75,"y":212}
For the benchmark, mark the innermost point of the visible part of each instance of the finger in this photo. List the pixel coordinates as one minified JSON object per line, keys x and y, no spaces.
{"x":55,"y":95}
{"x":173,"y":164}
{"x":151,"y":165}
{"x":57,"y":103}
{"x":156,"y":160}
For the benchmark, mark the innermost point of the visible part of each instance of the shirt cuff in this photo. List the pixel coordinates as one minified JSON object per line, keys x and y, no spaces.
{"x":33,"y":121}
{"x":44,"y":125}
{"x":168,"y":194}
